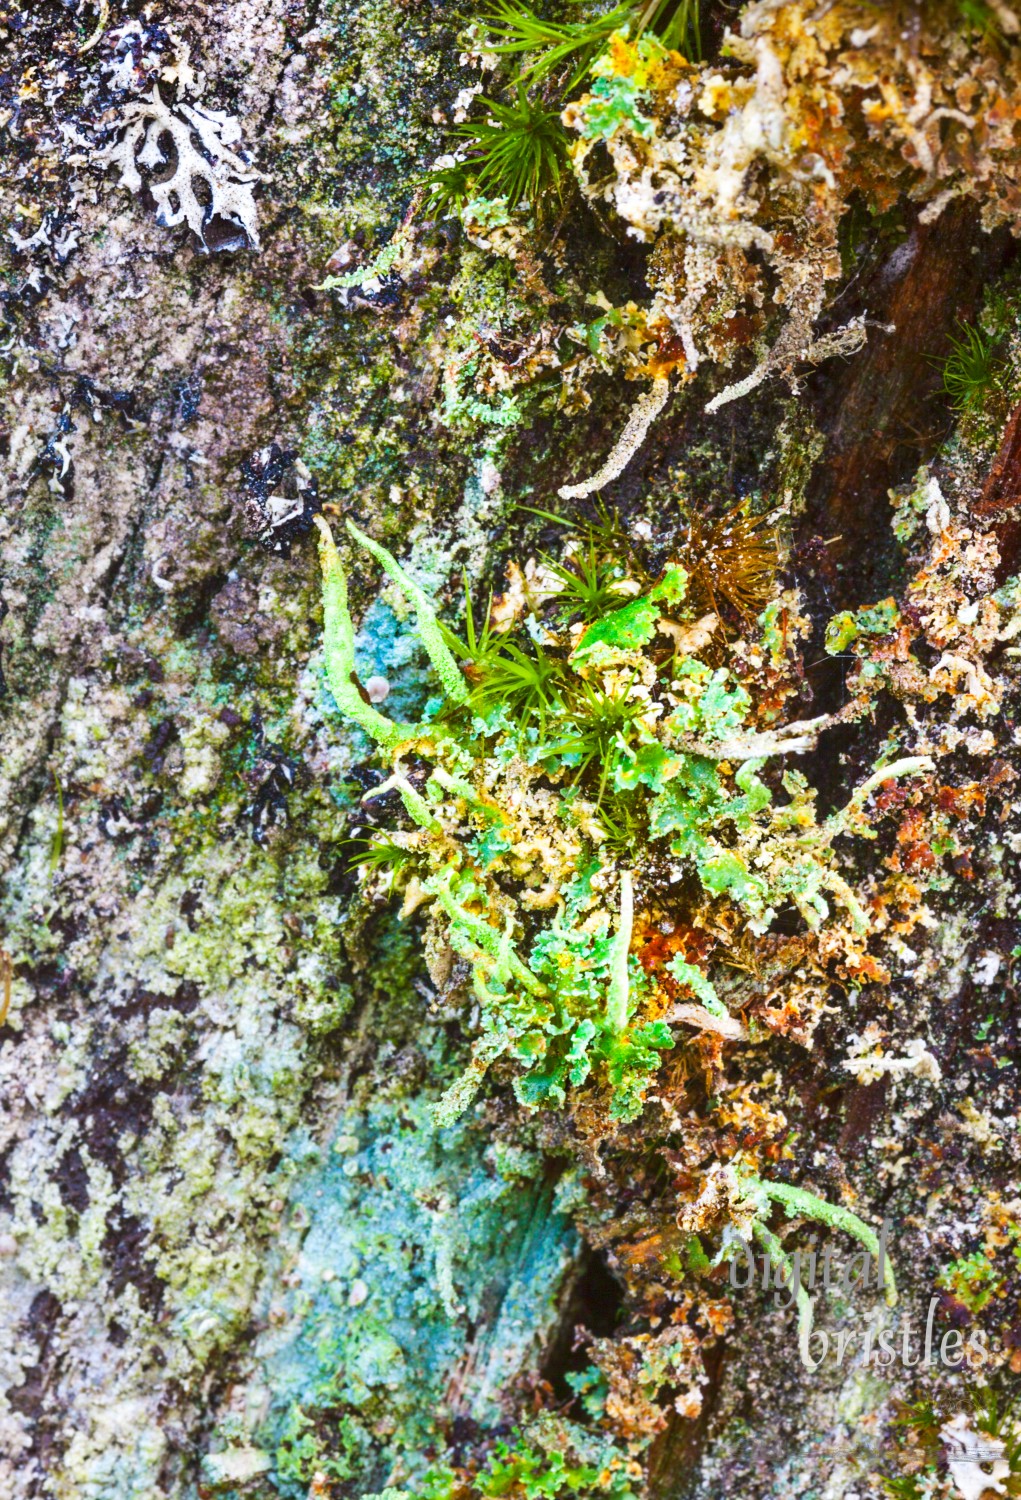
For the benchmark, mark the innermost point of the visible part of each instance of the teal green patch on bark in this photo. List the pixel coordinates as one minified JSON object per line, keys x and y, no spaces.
{"x":413,"y":1252}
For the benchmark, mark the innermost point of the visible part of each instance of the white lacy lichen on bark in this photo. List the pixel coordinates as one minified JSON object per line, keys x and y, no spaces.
{"x":197,"y":145}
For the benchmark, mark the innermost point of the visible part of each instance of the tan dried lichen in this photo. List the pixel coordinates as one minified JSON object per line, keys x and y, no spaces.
{"x":739,"y":171}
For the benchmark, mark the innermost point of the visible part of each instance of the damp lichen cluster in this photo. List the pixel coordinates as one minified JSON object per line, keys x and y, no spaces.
{"x":739,"y":172}
{"x":587,"y":747}
{"x":600,"y":820}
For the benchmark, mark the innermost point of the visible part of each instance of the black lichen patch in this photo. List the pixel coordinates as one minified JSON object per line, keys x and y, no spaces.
{"x":124,"y":1246}
{"x":283,"y":497}
{"x":29,"y":1398}
{"x":272,"y":778}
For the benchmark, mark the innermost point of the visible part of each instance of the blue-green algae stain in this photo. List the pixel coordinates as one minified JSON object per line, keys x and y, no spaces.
{"x":417,"y":1275}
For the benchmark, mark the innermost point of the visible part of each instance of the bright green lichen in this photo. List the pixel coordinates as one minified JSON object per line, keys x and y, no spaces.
{"x":552,"y":1459}
{"x":615,"y":101}
{"x":797,"y":1201}
{"x":566,"y":756}
{"x":758,"y":1195}
{"x":973,"y":1280}
{"x":845,"y":628}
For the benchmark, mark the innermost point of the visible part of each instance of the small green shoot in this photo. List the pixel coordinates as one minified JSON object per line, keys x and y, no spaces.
{"x":600,"y":723}
{"x":970,"y":368}
{"x":379,"y":854}
{"x":677,"y":23}
{"x":904,"y":1487}
{"x":57,"y":846}
{"x":624,"y":822}
{"x":590,"y":584}
{"x":527,"y":686}
{"x":477,"y":645}
{"x":980,"y":19}
{"x":516,"y":31}
{"x":993,"y":1409}
{"x":518,"y":153}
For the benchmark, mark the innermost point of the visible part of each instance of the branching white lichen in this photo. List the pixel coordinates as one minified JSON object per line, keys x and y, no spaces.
{"x":967,"y":1454}
{"x":208,"y":179}
{"x":867,"y":1061}
{"x":646,"y":409}
{"x":795,"y":346}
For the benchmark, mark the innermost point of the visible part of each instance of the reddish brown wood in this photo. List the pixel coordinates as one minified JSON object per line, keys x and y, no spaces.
{"x":1001,"y":496}
{"x":886,"y":413}
{"x":1003,"y":487}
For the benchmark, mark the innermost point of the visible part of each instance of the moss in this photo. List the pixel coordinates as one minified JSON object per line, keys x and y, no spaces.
{"x":242,"y":1035}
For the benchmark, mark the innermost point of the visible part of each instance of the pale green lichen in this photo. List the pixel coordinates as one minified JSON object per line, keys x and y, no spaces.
{"x":618,"y":989}
{"x":642,"y":740}
{"x":797,"y":1202}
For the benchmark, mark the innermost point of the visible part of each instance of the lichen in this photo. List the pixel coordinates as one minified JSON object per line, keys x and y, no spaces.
{"x":325,"y":1189}
{"x":739,"y":171}
{"x":227,"y":176}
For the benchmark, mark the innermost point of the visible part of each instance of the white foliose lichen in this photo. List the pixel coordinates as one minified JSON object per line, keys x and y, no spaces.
{"x":208,"y":179}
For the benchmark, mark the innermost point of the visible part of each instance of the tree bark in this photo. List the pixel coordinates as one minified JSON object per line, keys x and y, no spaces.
{"x":229,"y":1224}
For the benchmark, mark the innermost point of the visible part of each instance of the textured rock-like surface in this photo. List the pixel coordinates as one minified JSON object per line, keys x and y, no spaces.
{"x":224,"y":1204}
{"x":218,"y":1163}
